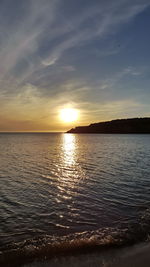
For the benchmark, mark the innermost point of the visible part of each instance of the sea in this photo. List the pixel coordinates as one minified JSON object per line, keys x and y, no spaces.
{"x":72,"y":196}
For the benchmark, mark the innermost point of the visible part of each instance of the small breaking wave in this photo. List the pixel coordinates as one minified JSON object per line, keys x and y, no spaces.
{"x":46,"y":247}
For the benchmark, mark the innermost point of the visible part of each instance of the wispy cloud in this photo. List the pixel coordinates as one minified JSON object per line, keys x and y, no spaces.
{"x":104,"y":20}
{"x":41,"y":48}
{"x":44,"y":32}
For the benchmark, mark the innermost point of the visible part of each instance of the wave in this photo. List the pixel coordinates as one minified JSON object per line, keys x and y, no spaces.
{"x":46,"y":247}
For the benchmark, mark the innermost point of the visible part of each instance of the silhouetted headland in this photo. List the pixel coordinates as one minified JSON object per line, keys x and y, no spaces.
{"x":120,"y":126}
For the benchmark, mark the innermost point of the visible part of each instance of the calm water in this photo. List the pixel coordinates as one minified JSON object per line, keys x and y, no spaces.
{"x":64,"y":186}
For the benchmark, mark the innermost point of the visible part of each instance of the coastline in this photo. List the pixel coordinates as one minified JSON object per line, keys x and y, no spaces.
{"x":119,"y":126}
{"x":133,"y":256}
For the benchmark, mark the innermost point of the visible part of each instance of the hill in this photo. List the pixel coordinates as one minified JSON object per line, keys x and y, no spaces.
{"x":120,"y":126}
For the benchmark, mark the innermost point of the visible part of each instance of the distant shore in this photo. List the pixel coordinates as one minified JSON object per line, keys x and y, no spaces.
{"x":120,"y":126}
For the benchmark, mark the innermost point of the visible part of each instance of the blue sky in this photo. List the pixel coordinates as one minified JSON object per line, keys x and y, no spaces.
{"x":89,"y":55}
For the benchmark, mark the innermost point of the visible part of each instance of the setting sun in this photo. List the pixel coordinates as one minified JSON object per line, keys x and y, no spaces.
{"x":68,"y":114}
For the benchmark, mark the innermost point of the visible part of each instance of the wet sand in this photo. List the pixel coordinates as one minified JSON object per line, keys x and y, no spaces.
{"x":134,"y":256}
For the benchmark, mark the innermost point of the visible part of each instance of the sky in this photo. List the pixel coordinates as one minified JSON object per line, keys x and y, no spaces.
{"x":90,"y":55}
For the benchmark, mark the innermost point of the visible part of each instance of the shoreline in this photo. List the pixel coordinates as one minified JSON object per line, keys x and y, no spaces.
{"x":133,"y":256}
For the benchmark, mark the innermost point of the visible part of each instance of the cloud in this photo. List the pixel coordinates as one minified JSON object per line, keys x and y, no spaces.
{"x":111,"y":110}
{"x":41,"y":53}
{"x":105,"y":20}
{"x":43,"y":34}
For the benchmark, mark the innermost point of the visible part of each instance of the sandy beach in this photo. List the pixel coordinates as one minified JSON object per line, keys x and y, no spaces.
{"x":134,"y":256}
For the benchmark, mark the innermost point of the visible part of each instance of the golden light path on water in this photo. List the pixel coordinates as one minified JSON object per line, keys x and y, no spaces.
{"x":72,"y":168}
{"x":69,"y":174}
{"x":67,"y":169}
{"x":69,"y":165}
{"x":69,"y":149}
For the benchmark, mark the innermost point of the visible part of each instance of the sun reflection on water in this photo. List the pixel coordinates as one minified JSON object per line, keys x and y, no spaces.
{"x":68,"y":168}
{"x":69,"y":149}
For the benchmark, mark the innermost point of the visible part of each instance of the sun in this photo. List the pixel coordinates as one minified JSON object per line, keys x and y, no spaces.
{"x":69,"y":114}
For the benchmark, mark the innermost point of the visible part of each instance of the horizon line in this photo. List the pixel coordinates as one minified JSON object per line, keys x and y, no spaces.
{"x":30,"y":132}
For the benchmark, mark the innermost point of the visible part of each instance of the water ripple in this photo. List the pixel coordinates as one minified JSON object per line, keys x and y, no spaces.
{"x":60,"y":184}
